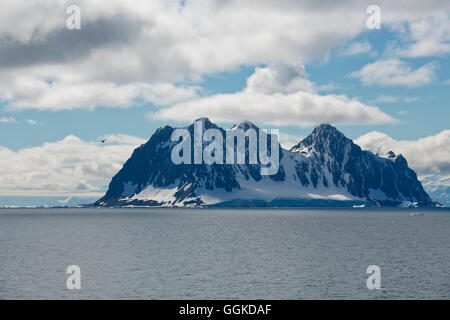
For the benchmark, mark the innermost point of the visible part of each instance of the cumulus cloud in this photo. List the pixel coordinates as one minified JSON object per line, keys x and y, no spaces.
{"x":28,"y":92}
{"x":426,"y":155}
{"x":128,"y":51}
{"x":426,"y":37}
{"x":65,"y":167}
{"x":169,"y":36}
{"x":298,"y":109}
{"x":280,"y":78}
{"x":124,"y":45}
{"x":276,"y":96}
{"x":394,"y":72}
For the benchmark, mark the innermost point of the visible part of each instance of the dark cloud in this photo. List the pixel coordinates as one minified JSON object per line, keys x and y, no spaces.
{"x":63,"y":45}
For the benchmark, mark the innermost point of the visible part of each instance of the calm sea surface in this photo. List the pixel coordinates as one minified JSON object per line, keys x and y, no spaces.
{"x":224,"y":253}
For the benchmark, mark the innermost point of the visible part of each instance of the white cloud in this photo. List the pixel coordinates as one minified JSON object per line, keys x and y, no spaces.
{"x":28,"y":92}
{"x":300,"y":108}
{"x":280,"y":78}
{"x":425,"y":155}
{"x":124,"y":45}
{"x":278,"y":98}
{"x":65,"y":167}
{"x":427,"y":36}
{"x":394,"y":72}
{"x":123,"y":48}
{"x":287,"y":141}
{"x":356,"y":48}
{"x":8,"y":120}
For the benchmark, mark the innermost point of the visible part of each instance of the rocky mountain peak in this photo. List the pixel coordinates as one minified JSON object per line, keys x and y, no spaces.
{"x":324,"y":133}
{"x":205,"y":122}
{"x":391,"y":154}
{"x":324,"y":139}
{"x":245,"y":125}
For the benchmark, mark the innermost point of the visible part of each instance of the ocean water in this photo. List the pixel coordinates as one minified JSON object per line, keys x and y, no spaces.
{"x":224,"y":253}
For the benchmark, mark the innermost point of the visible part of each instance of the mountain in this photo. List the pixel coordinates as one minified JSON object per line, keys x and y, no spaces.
{"x":324,"y":169}
{"x":438,"y":187}
{"x":43,"y":201}
{"x":441,"y":194}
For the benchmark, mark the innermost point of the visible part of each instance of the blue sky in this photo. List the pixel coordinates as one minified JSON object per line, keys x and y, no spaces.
{"x":280,"y":65}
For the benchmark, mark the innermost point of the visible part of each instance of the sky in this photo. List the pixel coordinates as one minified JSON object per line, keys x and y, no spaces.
{"x":134,"y":66}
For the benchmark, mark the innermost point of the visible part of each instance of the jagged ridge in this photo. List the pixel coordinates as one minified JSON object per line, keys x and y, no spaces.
{"x":326,"y":167}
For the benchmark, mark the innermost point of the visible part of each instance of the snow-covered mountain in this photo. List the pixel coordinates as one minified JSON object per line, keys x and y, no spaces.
{"x":438,"y":187}
{"x":324,"y":169}
{"x":43,"y":201}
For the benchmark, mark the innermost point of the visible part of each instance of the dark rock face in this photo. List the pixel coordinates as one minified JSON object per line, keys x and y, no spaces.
{"x":151,"y":164}
{"x":325,"y":160}
{"x":365,"y":171}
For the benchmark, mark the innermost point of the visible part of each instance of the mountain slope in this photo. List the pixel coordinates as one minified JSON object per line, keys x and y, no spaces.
{"x":325,"y":168}
{"x":438,"y":187}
